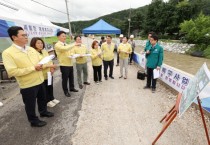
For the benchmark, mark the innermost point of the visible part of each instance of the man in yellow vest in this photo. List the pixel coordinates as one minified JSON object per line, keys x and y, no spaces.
{"x":21,"y":62}
{"x":63,"y":52}
{"x":81,"y":62}
{"x":108,"y":56}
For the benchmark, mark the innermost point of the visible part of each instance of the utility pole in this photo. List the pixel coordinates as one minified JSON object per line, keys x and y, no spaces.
{"x":129,"y":22}
{"x":74,"y":29}
{"x":67,"y":10}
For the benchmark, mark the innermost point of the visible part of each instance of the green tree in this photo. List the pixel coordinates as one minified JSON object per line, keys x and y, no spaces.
{"x":154,"y":16}
{"x":197,"y":30}
{"x":137,"y":22}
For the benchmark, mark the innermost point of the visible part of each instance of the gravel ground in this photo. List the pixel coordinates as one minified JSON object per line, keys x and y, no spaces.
{"x":16,"y":130}
{"x":116,"y":112}
{"x":120,"y":112}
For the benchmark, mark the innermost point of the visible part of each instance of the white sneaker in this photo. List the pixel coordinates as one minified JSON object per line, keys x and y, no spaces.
{"x":51,"y":104}
{"x":1,"y":104}
{"x":55,"y":101}
{"x":97,"y":83}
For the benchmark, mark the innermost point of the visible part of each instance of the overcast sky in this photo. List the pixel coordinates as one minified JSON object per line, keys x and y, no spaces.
{"x":79,"y":9}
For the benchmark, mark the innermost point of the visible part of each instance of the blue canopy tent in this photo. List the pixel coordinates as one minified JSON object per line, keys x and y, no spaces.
{"x":101,"y":27}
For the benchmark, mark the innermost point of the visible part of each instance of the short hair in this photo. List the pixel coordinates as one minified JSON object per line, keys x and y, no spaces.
{"x":109,"y":36}
{"x":34,"y":40}
{"x":126,"y":37}
{"x":94,"y":43}
{"x":155,"y":37}
{"x":102,"y":38}
{"x":152,"y":33}
{"x":76,"y":37}
{"x":60,"y":32}
{"x":13,"y":31}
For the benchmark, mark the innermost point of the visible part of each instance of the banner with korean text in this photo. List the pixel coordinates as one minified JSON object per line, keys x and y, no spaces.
{"x":32,"y":30}
{"x":177,"y":79}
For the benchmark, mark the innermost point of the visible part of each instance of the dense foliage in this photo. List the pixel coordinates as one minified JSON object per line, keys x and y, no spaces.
{"x":161,"y":17}
{"x":186,"y":20}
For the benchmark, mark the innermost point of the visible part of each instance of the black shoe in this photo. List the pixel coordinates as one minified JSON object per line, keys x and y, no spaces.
{"x":73,"y":90}
{"x":67,"y":94}
{"x":39,"y":124}
{"x":80,"y":86}
{"x":146,"y":87}
{"x":106,"y":78}
{"x":120,"y":77}
{"x":111,"y":77}
{"x":153,"y":90}
{"x":86,"y":83}
{"x":47,"y":114}
{"x":117,"y":65}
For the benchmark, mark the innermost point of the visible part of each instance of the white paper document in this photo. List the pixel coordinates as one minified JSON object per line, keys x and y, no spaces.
{"x":156,"y":73}
{"x":123,"y":51}
{"x":49,"y":78}
{"x":46,"y":59}
{"x":79,"y":55}
{"x":87,"y":54}
{"x":75,"y":56}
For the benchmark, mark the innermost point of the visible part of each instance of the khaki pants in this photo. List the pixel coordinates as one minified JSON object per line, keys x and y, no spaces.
{"x":82,"y":68}
{"x":124,"y":64}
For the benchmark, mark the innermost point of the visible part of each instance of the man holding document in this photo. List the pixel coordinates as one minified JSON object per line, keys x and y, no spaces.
{"x":63,"y":52}
{"x":81,"y":61}
{"x":154,"y":62}
{"x":21,"y":62}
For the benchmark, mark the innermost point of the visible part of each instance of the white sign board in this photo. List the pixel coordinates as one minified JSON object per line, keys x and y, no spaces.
{"x":196,"y":85}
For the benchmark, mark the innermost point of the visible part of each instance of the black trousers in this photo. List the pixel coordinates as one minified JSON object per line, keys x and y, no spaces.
{"x":150,"y":78}
{"x":67,"y":76}
{"x":49,"y":91}
{"x":97,"y":73}
{"x":109,"y":64}
{"x":131,"y":57}
{"x":30,"y":95}
{"x":118,"y":58}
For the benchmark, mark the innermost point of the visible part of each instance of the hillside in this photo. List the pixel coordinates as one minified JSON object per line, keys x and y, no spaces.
{"x":118,"y":19}
{"x":159,"y":16}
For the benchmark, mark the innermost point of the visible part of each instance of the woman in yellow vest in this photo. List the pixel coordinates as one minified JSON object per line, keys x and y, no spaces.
{"x":38,"y":44}
{"x":96,"y":56}
{"x":124,"y":49}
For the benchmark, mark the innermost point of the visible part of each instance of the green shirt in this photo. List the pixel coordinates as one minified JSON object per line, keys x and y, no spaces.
{"x":155,"y":58}
{"x":148,"y":46}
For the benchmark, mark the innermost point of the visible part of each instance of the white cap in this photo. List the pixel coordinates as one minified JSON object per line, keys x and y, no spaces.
{"x":131,"y":36}
{"x":121,"y":35}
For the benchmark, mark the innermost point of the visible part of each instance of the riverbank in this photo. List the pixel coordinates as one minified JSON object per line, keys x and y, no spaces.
{"x":183,"y":62}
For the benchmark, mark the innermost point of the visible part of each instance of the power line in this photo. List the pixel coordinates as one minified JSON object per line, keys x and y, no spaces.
{"x":17,"y":5}
{"x":8,"y":6}
{"x":48,"y":7}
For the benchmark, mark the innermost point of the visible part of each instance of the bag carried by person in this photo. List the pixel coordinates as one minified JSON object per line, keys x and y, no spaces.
{"x":141,"y":75}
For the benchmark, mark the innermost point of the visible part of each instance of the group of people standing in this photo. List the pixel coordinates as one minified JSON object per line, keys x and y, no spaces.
{"x":22,"y":62}
{"x":125,"y":50}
